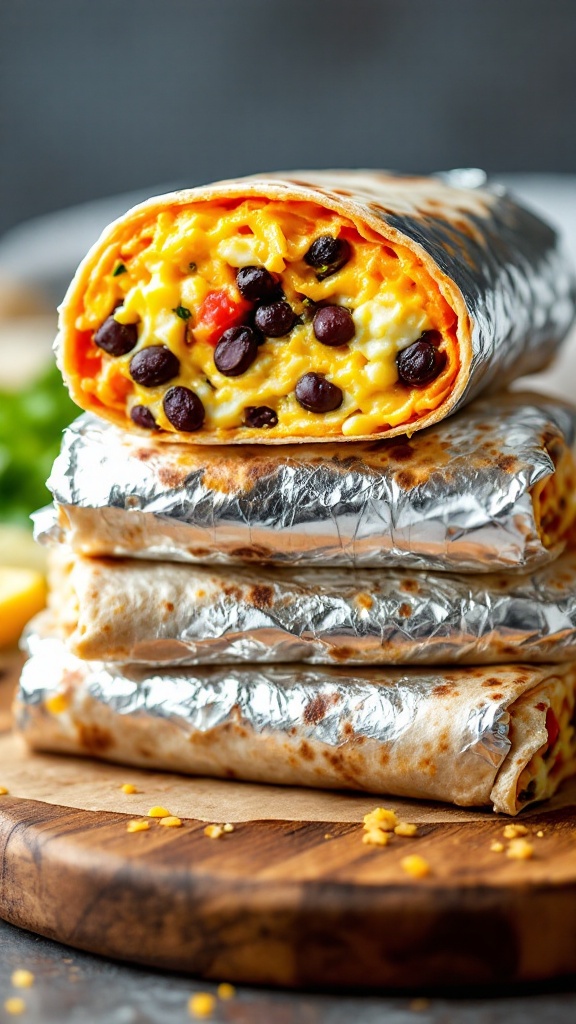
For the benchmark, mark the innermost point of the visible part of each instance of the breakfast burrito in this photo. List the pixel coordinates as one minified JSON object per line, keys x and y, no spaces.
{"x":492,"y":487}
{"x":321,"y":306}
{"x":173,"y":614}
{"x":501,"y":736}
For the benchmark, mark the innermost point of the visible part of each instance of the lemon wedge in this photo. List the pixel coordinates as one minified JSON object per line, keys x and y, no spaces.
{"x":22,"y":595}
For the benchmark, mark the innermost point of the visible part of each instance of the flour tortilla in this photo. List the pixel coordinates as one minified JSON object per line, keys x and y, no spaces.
{"x":498,"y":266}
{"x":461,"y":735}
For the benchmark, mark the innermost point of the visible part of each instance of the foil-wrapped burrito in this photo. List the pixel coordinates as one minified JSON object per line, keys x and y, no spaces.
{"x":492,"y":487}
{"x":501,"y":736}
{"x":315,"y":306}
{"x":168,"y":614}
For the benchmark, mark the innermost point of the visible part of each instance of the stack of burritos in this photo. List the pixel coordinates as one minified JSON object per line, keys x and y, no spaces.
{"x":302,"y":533}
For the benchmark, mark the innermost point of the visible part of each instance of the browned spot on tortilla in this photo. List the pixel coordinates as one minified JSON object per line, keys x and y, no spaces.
{"x":411,"y":586}
{"x":233,"y":592}
{"x":405,"y":610}
{"x":261,"y":596}
{"x":364,"y":601}
{"x":493,"y":681}
{"x":144,"y":751}
{"x":541,"y":706}
{"x":253,"y":554}
{"x":343,"y":653}
{"x":442,"y":689}
{"x":347,"y":729}
{"x":169,"y":606}
{"x":230,"y":773}
{"x":172,"y":477}
{"x":401,"y":452}
{"x":497,"y":696}
{"x":507,"y":462}
{"x":384,"y":757}
{"x":306,"y":751}
{"x":406,"y":479}
{"x":425,"y":764}
{"x":94,"y":738}
{"x":318,"y":707}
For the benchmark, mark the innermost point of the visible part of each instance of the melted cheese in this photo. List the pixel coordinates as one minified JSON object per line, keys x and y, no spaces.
{"x":391,"y":298}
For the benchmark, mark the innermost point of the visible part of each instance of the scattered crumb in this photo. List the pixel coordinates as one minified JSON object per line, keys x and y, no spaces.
{"x":171,"y":821}
{"x":520,"y":849}
{"x":137,"y":826}
{"x":415,"y":865}
{"x":202,"y":1005}
{"x":328,"y":835}
{"x":226,"y":991}
{"x":14,"y":1006}
{"x":128,"y":788}
{"x":159,"y":812}
{"x":4,"y":791}
{"x":540,"y":833}
{"x":417,"y":1005}
{"x":375,"y":837}
{"x":496,"y":846}
{"x":513,"y":831}
{"x":22,"y":978}
{"x":381,"y":818}
{"x":406,"y":828}
{"x":214,"y":831}
{"x":57,"y":704}
{"x":228,"y":827}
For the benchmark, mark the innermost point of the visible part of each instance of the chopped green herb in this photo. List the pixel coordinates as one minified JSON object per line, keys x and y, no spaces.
{"x":192,"y":266}
{"x":183,"y":312}
{"x":120,"y":268}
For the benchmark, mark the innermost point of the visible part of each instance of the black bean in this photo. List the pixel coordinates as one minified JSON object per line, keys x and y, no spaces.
{"x":421,"y":362}
{"x":184,"y":409}
{"x":142,"y":417}
{"x":256,"y":284}
{"x":275,"y":320}
{"x":154,"y":365}
{"x":317,"y":394}
{"x":236,"y":351}
{"x":327,"y":255}
{"x":333,"y":325}
{"x":260,"y":416}
{"x":116,"y":339}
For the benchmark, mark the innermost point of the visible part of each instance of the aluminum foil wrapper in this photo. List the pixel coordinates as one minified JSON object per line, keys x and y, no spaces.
{"x":439,"y":733}
{"x":169,"y":614}
{"x":457,"y":496}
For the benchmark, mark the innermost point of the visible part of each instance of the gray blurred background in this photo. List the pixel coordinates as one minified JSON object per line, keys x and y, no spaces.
{"x":104,"y":96}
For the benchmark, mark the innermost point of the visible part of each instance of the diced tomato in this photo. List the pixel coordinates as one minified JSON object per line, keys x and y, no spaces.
{"x":218,"y":312}
{"x":552,"y":728}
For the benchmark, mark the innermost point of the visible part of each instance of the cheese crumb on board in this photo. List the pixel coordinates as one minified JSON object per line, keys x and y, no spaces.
{"x":514,"y":831}
{"x":128,"y":788}
{"x":376,"y":837}
{"x":225,"y":991}
{"x":4,"y":791}
{"x":22,"y":978}
{"x":520,"y":849}
{"x":159,"y":812}
{"x":202,"y":1005}
{"x":381,"y":818}
{"x":137,"y":826}
{"x":14,"y":1006}
{"x":496,"y":846}
{"x":214,"y":831}
{"x":415,"y":866}
{"x":406,"y":829}
{"x":171,"y":821}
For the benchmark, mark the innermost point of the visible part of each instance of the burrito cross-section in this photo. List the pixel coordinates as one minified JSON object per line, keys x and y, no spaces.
{"x":321,"y":306}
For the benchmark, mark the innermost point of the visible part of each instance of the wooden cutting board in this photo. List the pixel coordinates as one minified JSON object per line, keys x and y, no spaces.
{"x":283,"y":901}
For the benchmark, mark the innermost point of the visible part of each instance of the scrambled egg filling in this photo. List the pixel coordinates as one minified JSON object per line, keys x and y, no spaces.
{"x":160,"y":276}
{"x":554,"y":761}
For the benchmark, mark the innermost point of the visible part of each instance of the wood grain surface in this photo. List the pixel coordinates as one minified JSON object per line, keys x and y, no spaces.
{"x":276,"y":902}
